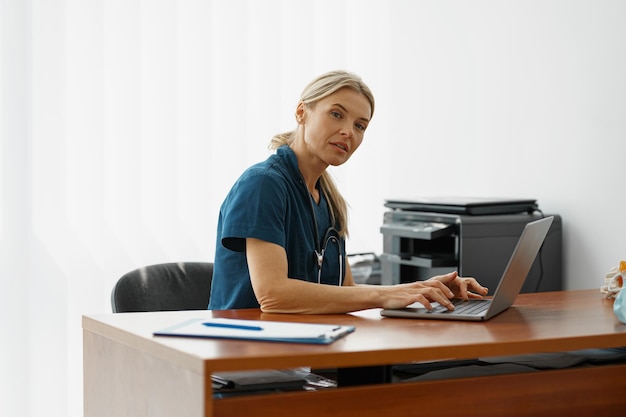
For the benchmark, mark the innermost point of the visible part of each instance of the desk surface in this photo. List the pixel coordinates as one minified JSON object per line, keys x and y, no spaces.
{"x":538,"y":322}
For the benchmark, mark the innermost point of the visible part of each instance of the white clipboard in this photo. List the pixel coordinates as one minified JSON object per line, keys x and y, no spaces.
{"x":269,"y":331}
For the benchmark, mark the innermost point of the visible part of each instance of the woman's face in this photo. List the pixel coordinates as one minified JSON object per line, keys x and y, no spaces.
{"x":334,"y":127}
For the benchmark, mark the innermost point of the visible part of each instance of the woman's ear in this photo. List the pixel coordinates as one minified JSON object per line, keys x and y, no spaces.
{"x":300,"y":113}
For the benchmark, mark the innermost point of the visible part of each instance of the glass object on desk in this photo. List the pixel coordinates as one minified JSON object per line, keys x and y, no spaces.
{"x":619,"y":306}
{"x":616,"y":283}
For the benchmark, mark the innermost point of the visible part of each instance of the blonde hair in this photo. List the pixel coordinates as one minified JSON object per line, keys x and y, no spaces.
{"x":321,"y":87}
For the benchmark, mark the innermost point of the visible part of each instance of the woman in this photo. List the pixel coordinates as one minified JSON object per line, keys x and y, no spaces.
{"x":282,"y":228}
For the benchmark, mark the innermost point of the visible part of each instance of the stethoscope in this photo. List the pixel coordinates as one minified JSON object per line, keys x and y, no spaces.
{"x":331,"y":235}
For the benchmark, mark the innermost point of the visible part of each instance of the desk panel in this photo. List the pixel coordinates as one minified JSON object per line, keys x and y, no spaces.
{"x":567,"y":393}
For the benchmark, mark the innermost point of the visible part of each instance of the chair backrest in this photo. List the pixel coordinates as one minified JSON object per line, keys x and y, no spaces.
{"x":164,"y":287}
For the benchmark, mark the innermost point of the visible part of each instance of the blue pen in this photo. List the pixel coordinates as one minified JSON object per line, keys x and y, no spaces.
{"x":232,"y":326}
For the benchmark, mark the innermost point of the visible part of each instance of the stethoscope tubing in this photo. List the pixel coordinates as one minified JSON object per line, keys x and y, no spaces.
{"x":320,"y":247}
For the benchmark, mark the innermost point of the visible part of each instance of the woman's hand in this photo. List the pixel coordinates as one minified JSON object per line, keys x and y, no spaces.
{"x":461,"y":287}
{"x":438,"y":289}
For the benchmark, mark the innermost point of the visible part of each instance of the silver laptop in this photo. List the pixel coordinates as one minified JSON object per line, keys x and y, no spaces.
{"x":515,"y":274}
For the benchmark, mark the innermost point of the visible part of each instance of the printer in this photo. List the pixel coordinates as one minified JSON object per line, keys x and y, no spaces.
{"x":423,"y":237}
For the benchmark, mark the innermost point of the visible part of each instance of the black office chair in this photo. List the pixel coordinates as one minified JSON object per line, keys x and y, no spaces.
{"x":164,"y":287}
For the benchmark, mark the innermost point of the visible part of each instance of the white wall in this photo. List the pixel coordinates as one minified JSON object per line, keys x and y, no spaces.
{"x":124,"y":122}
{"x":504,"y":99}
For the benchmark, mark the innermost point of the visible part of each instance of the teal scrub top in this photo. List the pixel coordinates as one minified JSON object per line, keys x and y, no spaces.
{"x":270,"y":202}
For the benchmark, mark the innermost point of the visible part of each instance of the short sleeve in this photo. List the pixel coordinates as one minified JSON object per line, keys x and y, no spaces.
{"x":256,"y":207}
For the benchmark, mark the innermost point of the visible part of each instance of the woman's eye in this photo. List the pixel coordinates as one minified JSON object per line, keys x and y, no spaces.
{"x":336,"y":114}
{"x":361,"y":127}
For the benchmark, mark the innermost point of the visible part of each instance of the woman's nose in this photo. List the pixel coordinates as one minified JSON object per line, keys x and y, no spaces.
{"x":347,"y":130}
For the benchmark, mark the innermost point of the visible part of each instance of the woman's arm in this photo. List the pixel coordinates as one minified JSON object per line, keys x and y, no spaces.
{"x":277,"y":293}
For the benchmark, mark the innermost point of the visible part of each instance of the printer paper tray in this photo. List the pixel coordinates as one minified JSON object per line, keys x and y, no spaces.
{"x":424,"y":261}
{"x":418,"y":230}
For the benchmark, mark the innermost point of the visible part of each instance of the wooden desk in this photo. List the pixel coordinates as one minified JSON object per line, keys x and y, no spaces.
{"x":128,"y":372}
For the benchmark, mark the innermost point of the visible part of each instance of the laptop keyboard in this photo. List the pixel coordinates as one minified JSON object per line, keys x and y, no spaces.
{"x":469,"y":307}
